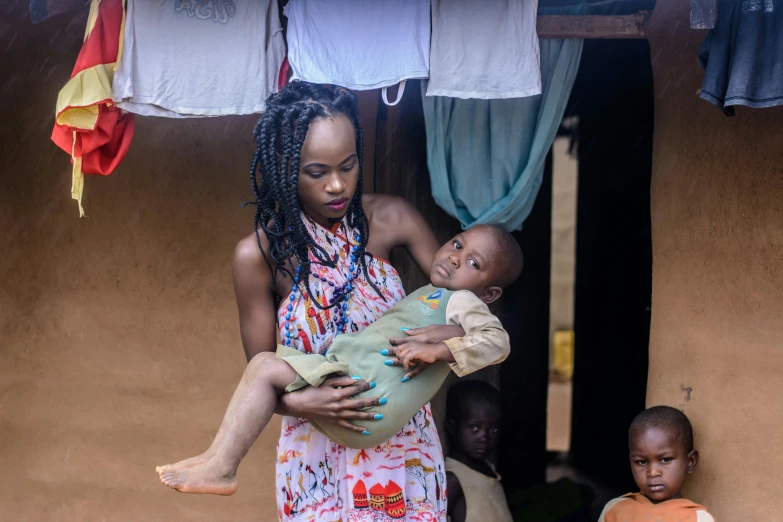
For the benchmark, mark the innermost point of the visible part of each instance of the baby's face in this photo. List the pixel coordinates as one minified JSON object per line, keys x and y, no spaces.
{"x":467,"y":262}
{"x":660,"y":463}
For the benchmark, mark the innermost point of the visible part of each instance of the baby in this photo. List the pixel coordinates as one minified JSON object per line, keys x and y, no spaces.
{"x":467,"y":273}
{"x":660,"y":441}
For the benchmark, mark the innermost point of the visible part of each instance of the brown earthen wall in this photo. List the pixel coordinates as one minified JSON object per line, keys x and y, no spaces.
{"x":716,"y":347}
{"x":119,"y":345}
{"x":119,"y":340}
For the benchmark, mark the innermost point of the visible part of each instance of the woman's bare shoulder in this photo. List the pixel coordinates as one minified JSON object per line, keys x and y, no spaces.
{"x":248,"y":256}
{"x":386,"y":210}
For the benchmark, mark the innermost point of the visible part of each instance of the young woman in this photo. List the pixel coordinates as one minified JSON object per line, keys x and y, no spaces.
{"x":316,"y":268}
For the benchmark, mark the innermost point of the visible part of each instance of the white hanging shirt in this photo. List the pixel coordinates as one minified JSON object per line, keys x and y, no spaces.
{"x":358,"y":44}
{"x":484,"y":50}
{"x":186,"y":58}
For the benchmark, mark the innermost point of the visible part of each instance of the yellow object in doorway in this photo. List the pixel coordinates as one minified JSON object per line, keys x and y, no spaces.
{"x":563,"y":354}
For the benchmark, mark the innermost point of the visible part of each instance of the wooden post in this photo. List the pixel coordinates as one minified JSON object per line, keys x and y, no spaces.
{"x":592,"y":26}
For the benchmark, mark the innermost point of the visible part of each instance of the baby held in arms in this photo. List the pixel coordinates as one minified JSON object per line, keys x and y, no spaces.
{"x":468,"y":272}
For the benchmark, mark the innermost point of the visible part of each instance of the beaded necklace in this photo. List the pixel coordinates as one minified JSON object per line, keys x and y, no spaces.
{"x":341,"y":297}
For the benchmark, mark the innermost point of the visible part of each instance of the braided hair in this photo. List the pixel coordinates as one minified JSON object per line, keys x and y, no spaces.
{"x":280,"y":134}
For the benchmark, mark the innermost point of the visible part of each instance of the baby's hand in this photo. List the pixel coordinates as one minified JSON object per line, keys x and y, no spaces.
{"x":428,"y":334}
{"x":413,"y":352}
{"x":417,"y":355}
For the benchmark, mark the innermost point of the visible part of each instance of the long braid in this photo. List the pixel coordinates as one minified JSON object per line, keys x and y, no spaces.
{"x":262,"y":216}
{"x":357,"y":218}
{"x":280,"y":134}
{"x":309,"y":245}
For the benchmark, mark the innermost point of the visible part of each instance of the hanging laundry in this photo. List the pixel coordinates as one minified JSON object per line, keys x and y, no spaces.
{"x":185,"y":58}
{"x":88,"y":125}
{"x":486,"y":157}
{"x":359,"y":44}
{"x":743,"y":56}
{"x":484,"y":50}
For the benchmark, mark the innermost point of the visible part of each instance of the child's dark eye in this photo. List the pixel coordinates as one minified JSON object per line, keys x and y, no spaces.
{"x":493,"y":430}
{"x":458,"y":245}
{"x":474,"y":264}
{"x":641,"y":462}
{"x":666,"y":460}
{"x":474,"y":428}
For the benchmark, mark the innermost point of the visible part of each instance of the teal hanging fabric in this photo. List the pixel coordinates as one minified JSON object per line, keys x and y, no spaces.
{"x":486,"y":157}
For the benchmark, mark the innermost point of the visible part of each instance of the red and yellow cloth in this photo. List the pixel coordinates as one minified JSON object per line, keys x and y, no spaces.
{"x":88,"y":125}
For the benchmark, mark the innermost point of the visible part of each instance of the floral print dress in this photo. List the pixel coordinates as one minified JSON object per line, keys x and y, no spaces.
{"x":319,"y":480}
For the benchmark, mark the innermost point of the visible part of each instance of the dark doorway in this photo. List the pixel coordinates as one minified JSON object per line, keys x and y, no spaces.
{"x":613,"y":100}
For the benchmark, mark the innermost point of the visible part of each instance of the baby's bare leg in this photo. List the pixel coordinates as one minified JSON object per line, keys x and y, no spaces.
{"x":252,"y":371}
{"x":249,"y":411}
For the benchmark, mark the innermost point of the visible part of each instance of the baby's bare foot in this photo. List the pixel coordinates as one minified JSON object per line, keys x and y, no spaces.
{"x":208,"y":477}
{"x":185,"y":464}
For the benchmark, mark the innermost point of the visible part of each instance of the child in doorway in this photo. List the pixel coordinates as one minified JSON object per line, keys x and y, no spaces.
{"x":473,"y":411}
{"x":660,"y":441}
{"x":467,"y":273}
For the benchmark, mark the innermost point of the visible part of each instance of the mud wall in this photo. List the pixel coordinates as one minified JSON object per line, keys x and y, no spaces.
{"x":119,"y":342}
{"x":716,"y":346}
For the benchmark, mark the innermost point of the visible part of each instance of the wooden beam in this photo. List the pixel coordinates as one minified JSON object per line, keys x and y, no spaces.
{"x":704,"y":14}
{"x":592,"y":26}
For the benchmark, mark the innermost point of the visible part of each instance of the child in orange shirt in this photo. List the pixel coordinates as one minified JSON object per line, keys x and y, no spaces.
{"x":660,"y":441}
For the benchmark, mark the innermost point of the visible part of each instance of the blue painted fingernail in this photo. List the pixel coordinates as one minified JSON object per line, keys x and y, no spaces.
{"x":355,"y":377}
{"x":406,"y":379}
{"x":378,"y":416}
{"x":372,"y":385}
{"x":384,"y":352}
{"x":382,"y":401}
{"x":404,"y":329}
{"x":365,"y":432}
{"x":388,"y":362}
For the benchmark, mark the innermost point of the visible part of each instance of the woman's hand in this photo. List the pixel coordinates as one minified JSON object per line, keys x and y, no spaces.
{"x":332,"y":402}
